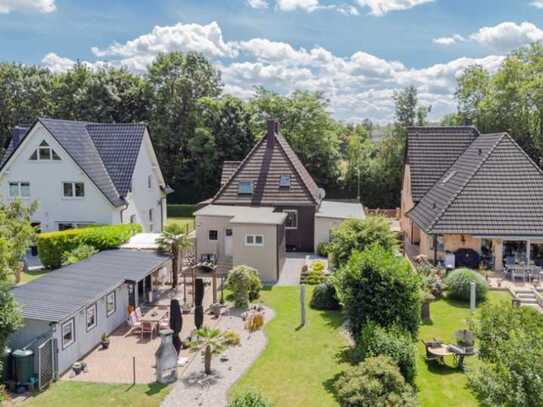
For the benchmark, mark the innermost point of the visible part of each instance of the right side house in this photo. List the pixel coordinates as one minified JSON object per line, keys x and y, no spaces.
{"x":465,"y":190}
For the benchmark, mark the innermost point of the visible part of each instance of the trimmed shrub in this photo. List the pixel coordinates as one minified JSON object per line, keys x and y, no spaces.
{"x":458,"y":285}
{"x":375,"y":340}
{"x":245,"y":285}
{"x":359,"y":234}
{"x":231,"y":338}
{"x":324,"y":298}
{"x":314,"y":274}
{"x":375,"y":382}
{"x":52,"y":245}
{"x":322,"y":249}
{"x":250,"y":399}
{"x":78,"y":254}
{"x":181,"y":210}
{"x":376,"y":285}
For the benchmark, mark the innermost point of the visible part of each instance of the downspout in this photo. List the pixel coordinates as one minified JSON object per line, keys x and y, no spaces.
{"x":435,"y":249}
{"x":124,"y":208}
{"x":161,"y":213}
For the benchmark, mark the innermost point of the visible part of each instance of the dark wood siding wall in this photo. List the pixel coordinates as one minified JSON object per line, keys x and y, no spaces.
{"x":302,"y":238}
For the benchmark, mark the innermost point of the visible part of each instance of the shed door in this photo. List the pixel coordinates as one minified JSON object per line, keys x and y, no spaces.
{"x":46,"y":364}
{"x":228,"y":242}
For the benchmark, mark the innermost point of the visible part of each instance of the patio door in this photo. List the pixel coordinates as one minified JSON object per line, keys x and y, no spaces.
{"x":228,"y":242}
{"x":132,"y":295}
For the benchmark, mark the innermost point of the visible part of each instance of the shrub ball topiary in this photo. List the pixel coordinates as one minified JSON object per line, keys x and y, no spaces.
{"x":245,"y":285}
{"x":324,"y":297}
{"x":250,"y":399}
{"x":458,"y":285}
{"x":375,"y":382}
{"x":375,"y":340}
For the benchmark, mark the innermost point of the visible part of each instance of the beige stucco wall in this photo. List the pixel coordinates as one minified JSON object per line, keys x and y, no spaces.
{"x":203,"y":225}
{"x":454,"y":242}
{"x":451,"y":243}
{"x":263,"y":258}
{"x":323,"y":227}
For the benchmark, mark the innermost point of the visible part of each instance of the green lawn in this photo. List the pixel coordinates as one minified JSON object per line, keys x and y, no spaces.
{"x":442,"y":385}
{"x":299,"y":364}
{"x":64,"y":393}
{"x":182,"y":221}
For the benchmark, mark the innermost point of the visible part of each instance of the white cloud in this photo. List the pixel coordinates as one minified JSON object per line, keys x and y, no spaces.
{"x":41,"y":6}
{"x":359,"y":86}
{"x":508,"y":35}
{"x":258,"y":3}
{"x":206,"y":39}
{"x":57,"y":63}
{"x":306,"y":5}
{"x":382,"y":7}
{"x":453,"y":39}
{"x":537,"y":3}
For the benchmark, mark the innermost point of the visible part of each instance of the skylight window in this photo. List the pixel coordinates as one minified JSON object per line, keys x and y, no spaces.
{"x":245,"y":187}
{"x":284,"y":181}
{"x":448,"y":177}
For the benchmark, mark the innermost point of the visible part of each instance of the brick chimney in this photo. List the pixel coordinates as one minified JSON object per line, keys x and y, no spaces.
{"x":273,"y":127}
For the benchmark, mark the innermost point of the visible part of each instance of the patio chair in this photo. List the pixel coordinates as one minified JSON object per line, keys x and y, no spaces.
{"x":431,"y":344}
{"x":133,"y":323}
{"x":147,"y":328}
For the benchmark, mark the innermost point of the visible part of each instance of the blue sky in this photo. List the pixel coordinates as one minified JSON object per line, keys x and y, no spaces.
{"x":356,"y":51}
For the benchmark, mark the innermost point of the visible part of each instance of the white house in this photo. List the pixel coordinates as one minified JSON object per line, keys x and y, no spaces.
{"x":84,"y":173}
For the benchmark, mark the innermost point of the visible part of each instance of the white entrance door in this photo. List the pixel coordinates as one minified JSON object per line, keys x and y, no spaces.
{"x":228,"y":242}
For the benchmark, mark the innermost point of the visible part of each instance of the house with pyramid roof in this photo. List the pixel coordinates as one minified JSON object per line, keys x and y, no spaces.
{"x":268,"y":205}
{"x":466,"y":190}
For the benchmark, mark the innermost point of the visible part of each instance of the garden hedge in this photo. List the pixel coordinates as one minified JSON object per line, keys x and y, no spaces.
{"x":52,"y":245}
{"x":181,"y":210}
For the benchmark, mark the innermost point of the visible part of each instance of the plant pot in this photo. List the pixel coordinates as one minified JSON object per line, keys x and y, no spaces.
{"x":105,"y":345}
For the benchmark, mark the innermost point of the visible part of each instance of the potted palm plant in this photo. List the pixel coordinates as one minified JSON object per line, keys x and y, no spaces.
{"x":104,"y":341}
{"x":211,"y":342}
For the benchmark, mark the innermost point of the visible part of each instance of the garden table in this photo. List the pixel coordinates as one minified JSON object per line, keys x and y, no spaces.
{"x":154,"y":316}
{"x":440,"y":352}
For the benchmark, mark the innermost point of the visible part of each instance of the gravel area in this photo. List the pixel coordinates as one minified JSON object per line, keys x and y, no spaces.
{"x":195,"y":389}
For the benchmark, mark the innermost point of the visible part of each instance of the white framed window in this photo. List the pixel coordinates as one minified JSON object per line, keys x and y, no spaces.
{"x":68,"y":333}
{"x":150,"y":216}
{"x":213,"y":235}
{"x":73,"y":189}
{"x":149,"y":181}
{"x":44,"y":153}
{"x":292,"y":219}
{"x":245,"y":187}
{"x":284,"y":181}
{"x":254,"y":240}
{"x":19,"y":189}
{"x":91,"y":314}
{"x":132,"y":219}
{"x":111,"y":303}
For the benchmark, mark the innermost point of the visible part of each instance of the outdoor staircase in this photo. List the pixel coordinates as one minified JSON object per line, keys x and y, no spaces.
{"x":528,"y":297}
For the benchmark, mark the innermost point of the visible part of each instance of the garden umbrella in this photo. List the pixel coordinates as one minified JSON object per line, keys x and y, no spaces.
{"x":176,"y":323}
